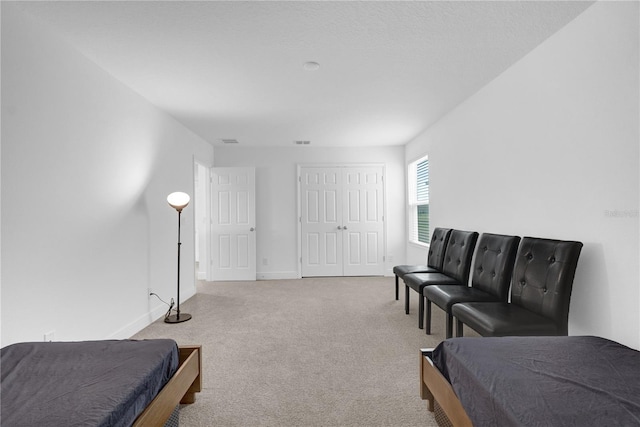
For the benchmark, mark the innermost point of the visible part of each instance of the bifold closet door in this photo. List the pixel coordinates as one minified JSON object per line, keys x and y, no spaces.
{"x":342,"y":220}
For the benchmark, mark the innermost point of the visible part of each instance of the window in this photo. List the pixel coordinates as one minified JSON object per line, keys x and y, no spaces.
{"x":419,"y":201}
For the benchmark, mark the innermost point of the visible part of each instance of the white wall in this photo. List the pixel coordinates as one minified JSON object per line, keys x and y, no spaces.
{"x":86,"y":168}
{"x":276,"y":198}
{"x":550,"y":149}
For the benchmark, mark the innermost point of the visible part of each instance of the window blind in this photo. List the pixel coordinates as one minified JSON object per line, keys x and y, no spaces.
{"x":422,"y":181}
{"x":419,"y":201}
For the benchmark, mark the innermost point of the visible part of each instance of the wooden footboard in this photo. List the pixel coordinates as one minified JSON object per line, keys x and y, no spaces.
{"x":181,"y":388}
{"x":434,"y":387}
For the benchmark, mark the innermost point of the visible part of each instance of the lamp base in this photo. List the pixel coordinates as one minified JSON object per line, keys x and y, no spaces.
{"x":177,"y":318}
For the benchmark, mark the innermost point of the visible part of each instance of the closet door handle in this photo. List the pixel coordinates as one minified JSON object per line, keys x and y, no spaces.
{"x":344,"y":228}
{"x":339,"y":228}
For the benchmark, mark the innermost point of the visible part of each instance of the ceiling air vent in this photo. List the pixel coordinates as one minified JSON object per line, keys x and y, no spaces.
{"x":302,"y":142}
{"x":230,"y":141}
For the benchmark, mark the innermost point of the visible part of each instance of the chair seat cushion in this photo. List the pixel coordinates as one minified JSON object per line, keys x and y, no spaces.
{"x":401,"y":270}
{"x":417,"y":281}
{"x":498,"y":319}
{"x":444,"y":296}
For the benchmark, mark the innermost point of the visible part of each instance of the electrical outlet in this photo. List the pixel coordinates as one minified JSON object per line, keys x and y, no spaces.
{"x":49,"y":336}
{"x":390,"y":258}
{"x":265,"y":261}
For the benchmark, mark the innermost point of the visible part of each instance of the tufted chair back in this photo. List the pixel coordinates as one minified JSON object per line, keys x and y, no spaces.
{"x":543,"y":277}
{"x":494,"y":262}
{"x":457,"y":256}
{"x":439,"y":240}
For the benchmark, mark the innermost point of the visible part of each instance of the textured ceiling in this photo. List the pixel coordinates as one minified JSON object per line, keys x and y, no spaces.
{"x":234,"y":70}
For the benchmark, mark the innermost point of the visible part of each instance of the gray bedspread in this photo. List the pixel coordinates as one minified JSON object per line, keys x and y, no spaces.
{"x":91,"y":383}
{"x":543,"y":381}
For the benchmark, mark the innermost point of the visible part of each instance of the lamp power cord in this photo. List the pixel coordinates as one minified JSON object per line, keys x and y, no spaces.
{"x":166,"y":316}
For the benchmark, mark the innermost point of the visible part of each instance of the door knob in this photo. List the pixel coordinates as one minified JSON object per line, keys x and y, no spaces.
{"x":344,"y":228}
{"x":339,"y":228}
{"x":251,"y":229}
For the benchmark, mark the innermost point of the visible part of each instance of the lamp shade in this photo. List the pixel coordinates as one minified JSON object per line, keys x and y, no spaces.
{"x":178,"y":200}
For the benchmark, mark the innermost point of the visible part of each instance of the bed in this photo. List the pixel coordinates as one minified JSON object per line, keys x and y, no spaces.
{"x":97,"y":383}
{"x":532,"y":381}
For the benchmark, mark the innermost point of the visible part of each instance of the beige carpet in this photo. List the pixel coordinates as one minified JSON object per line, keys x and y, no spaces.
{"x":310,"y":352}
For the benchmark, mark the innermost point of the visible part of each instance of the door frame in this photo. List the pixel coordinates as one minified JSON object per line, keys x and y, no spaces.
{"x":299,"y":167}
{"x":205,"y":186}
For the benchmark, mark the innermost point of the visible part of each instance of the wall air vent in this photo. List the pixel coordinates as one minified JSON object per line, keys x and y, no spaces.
{"x":230,"y":141}
{"x":302,"y":142}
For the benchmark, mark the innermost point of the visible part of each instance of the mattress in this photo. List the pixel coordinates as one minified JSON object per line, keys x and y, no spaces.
{"x":90,"y":383}
{"x":543,"y":381}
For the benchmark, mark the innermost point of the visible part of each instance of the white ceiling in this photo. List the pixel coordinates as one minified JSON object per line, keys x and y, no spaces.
{"x":234,"y":69}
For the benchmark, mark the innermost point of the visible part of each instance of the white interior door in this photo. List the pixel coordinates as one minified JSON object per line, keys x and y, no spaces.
{"x":233,"y":236}
{"x":342,"y":223}
{"x":321,"y":217}
{"x":363,"y":225}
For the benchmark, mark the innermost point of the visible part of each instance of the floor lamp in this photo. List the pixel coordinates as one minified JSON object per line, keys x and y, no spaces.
{"x":178,"y":201}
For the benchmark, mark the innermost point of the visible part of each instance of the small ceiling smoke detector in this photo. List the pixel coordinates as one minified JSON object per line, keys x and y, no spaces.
{"x":230,"y":141}
{"x":302,"y":142}
{"x":311,"y":66}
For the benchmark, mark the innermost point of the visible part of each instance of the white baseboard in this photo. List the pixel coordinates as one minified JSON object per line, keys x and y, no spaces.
{"x":277,"y":275}
{"x":283,"y":275}
{"x":145,"y":320}
{"x":139,"y":324}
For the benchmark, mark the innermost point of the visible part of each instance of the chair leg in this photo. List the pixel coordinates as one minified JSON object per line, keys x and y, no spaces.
{"x":427,"y":316}
{"x":421,"y":311}
{"x":397,"y":288}
{"x":458,"y":328}
{"x":406,"y":299}
{"x":449,"y":325}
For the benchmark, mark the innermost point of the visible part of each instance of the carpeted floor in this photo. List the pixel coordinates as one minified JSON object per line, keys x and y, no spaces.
{"x":310,"y":352}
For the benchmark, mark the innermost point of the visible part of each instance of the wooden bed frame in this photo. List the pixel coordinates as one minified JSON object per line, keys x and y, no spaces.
{"x":436,"y":390}
{"x":181,"y":388}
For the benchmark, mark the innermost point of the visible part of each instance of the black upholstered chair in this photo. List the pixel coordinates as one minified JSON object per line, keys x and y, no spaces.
{"x":540,"y":293}
{"x":495,"y":255}
{"x":439,"y":240}
{"x":455,"y":269}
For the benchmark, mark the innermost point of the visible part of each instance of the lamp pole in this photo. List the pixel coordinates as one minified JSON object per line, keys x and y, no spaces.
{"x":178,"y":201}
{"x":179,"y":244}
